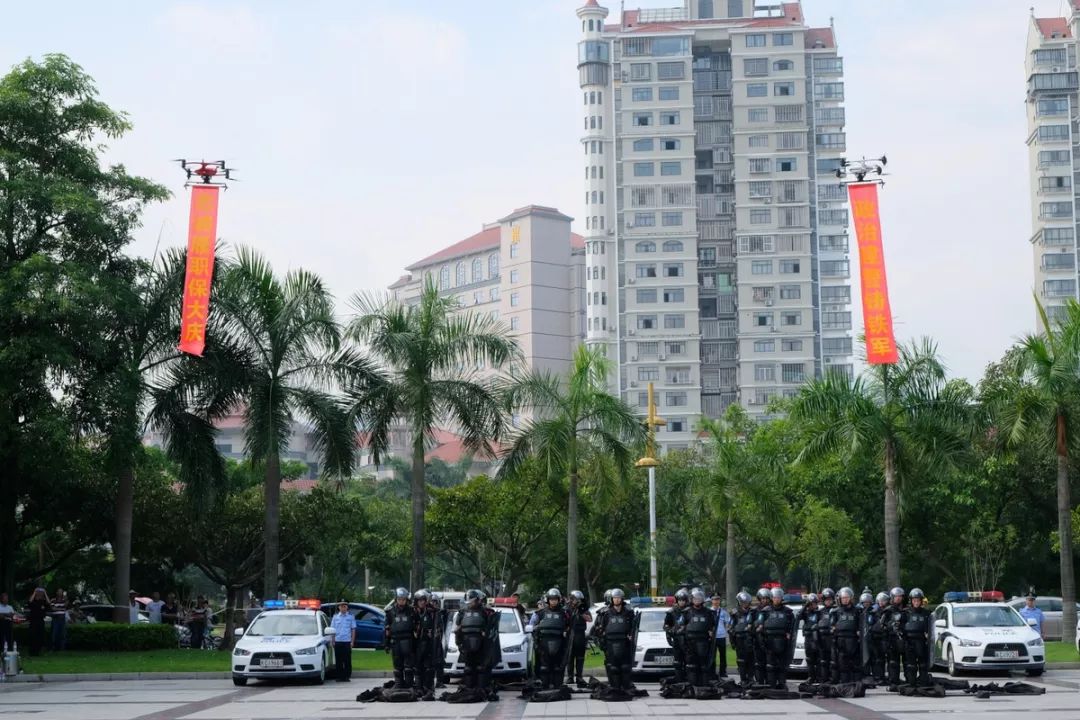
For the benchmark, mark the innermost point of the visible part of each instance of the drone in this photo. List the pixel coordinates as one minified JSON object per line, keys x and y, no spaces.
{"x":206,"y":173}
{"x":861,"y":168}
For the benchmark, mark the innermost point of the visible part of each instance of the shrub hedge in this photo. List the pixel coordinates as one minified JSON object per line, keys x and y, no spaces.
{"x":107,"y":636}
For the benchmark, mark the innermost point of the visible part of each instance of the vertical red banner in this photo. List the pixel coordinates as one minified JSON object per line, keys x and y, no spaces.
{"x":877,"y":313}
{"x":202,"y":234}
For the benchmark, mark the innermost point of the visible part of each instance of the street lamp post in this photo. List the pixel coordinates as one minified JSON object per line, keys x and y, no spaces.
{"x":652,"y":421}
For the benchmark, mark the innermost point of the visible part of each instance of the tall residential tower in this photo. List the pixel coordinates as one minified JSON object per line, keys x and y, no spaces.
{"x":716,"y":236}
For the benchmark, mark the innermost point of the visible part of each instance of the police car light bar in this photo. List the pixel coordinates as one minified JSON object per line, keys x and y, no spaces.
{"x":309,"y":604}
{"x":975,"y":596}
{"x":273,"y":604}
{"x":505,"y":602}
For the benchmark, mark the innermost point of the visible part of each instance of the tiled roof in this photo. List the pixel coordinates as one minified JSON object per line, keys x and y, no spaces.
{"x":403,"y":280}
{"x":483,"y":240}
{"x":1048,"y":27}
{"x":825,"y":35}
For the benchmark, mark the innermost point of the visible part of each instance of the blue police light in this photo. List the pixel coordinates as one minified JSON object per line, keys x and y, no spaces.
{"x":794,"y":598}
{"x":272,"y":604}
{"x":641,"y":601}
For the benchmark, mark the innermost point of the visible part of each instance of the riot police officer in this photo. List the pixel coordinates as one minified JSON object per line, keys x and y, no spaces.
{"x":742,"y":637}
{"x":429,"y":640}
{"x":402,"y":626}
{"x":617,"y":630}
{"x":878,"y":637}
{"x":892,"y":617}
{"x":674,"y":631}
{"x":760,"y":654}
{"x":866,"y":599}
{"x":916,"y":626}
{"x":579,"y":622}
{"x":442,"y":615}
{"x":848,"y":638}
{"x":825,"y":636}
{"x":778,"y":628}
{"x":699,"y":627}
{"x":550,"y":626}
{"x":808,"y":619}
{"x":471,"y":633}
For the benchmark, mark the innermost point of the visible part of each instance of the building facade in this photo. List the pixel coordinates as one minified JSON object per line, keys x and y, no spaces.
{"x":1053,"y":143}
{"x":715,"y":227}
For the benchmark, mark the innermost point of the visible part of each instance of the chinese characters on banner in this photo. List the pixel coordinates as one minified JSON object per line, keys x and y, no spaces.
{"x":877,"y":315}
{"x":202,"y":233}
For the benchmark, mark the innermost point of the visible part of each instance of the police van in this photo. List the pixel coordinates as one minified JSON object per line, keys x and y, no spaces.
{"x":288,"y":639}
{"x":978,"y":631}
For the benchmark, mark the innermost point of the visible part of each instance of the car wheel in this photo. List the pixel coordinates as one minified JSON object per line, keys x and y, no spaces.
{"x":953,"y":670}
{"x":321,"y":679}
{"x":1035,"y":672}
{"x":239,"y":680}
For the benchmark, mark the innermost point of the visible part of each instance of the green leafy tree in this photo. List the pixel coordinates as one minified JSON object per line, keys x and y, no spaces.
{"x":906,"y":415}
{"x":571,"y":417}
{"x":426,"y":354}
{"x":288,"y":362}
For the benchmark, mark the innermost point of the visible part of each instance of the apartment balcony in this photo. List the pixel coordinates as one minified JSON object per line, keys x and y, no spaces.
{"x":1052,"y":83}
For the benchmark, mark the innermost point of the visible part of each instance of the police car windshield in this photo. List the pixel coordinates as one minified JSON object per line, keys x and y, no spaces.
{"x":651,"y":622}
{"x":992,"y":616}
{"x":508,"y":622}
{"x":271,"y":624}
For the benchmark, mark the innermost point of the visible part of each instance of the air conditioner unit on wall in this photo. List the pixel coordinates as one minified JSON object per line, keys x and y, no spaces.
{"x":633,"y":383}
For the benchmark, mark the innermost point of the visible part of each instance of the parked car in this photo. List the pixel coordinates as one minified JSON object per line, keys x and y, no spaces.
{"x":1052,"y":612}
{"x":104,"y":613}
{"x":370,"y":623}
{"x":985,"y":636}
{"x":284,"y":644}
{"x":653,"y":656}
{"x":513,"y":639}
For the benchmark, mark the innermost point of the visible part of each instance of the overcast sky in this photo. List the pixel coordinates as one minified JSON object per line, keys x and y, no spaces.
{"x":369,"y":134}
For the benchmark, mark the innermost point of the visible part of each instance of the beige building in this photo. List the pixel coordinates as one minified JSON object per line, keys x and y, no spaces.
{"x":712,"y":132}
{"x":1052,"y":108}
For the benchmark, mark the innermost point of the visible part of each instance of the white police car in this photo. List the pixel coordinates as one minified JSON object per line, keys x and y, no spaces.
{"x":284,"y":643}
{"x":653,"y":655}
{"x":977,"y":631}
{"x":512,"y":638}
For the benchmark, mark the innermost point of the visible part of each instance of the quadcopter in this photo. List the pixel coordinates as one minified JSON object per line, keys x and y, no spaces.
{"x":206,"y":173}
{"x":861,"y":168}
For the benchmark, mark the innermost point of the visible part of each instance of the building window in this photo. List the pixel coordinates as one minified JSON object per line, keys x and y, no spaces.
{"x":444,"y":277}
{"x":459,"y":273}
{"x":644,"y":169}
{"x":755,"y":40}
{"x":646,"y":296}
{"x":1057,"y":236}
{"x":669,"y":118}
{"x":642,"y":119}
{"x":478,"y":297}
{"x":673,"y":270}
{"x":645,"y":271}
{"x":515,"y":277}
{"x":757,"y":115}
{"x":836,"y":346}
{"x":764,"y":346}
{"x":493,"y":294}
{"x":792,"y":372}
{"x":761,"y":189}
{"x":515,"y":323}
{"x":836,"y":320}
{"x":759,"y":165}
{"x":761,"y":267}
{"x":673,"y":245}
{"x":784,"y":89}
{"x":789,"y":267}
{"x":648,"y":373}
{"x":763,"y":319}
{"x":477,"y":270}
{"x":790,"y":292}
{"x":669,"y":144}
{"x":758,"y":141}
{"x":757,"y":90}
{"x":673,"y":295}
{"x":514,"y":251}
{"x":786,"y":164}
{"x":641,"y":94}
{"x":756,"y":66}
{"x":646,"y":322}
{"x":669,"y":92}
{"x":673,"y":167}
{"x":643,"y":145}
{"x":640,"y":71}
{"x":676,"y":399}
{"x":781,"y":39}
{"x":834,"y":268}
{"x":763,"y":293}
{"x":1053,"y":157}
{"x":783,"y":65}
{"x":675,"y":348}
{"x":791,"y":346}
{"x":760,"y":217}
{"x":645,"y":219}
{"x":514,"y":299}
{"x":765,"y":373}
{"x":670,"y":70}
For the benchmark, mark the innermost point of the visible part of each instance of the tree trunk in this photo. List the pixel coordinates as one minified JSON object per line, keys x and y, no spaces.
{"x":272,"y":525}
{"x":231,"y":594}
{"x":731,"y":572}
{"x":571,"y":532}
{"x":9,"y":531}
{"x":125,"y":503}
{"x":1064,"y":507}
{"x":418,"y":491}
{"x":892,"y":519}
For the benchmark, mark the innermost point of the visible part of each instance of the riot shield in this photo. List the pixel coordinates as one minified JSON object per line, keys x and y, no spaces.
{"x":494,"y":644}
{"x":864,"y":639}
{"x":793,"y":633}
{"x":931,"y":635}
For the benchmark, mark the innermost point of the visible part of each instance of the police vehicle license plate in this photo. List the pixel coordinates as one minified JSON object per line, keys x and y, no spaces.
{"x":665,"y":660}
{"x":1006,"y":653}
{"x":272,"y":662}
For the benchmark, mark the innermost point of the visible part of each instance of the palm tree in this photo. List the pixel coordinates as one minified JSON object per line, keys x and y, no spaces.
{"x":570,"y":417}
{"x":906,"y":415}
{"x":289,"y":343}
{"x":427,"y":354}
{"x":1040,"y":404}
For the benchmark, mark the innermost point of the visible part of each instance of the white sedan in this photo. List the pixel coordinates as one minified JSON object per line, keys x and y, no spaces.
{"x":284,"y":644}
{"x":515,"y":647}
{"x":653,"y":655}
{"x":985,"y":636}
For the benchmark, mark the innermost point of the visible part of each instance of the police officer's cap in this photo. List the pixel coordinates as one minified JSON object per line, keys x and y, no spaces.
{"x":777,"y":593}
{"x":744,"y":597}
{"x":1030,"y":595}
{"x":916,"y":593}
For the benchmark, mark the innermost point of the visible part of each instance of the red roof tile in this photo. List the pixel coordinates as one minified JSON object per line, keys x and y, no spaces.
{"x":1049,"y":27}
{"x":304,"y":485}
{"x":825,"y":35}
{"x":404,"y":279}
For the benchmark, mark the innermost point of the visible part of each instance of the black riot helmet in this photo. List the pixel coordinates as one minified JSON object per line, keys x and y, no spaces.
{"x":743,"y":599}
{"x":473,"y":598}
{"x":682,"y":595}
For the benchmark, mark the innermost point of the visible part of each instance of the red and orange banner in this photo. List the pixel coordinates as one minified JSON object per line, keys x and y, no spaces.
{"x":877,"y":314}
{"x":202,"y":233}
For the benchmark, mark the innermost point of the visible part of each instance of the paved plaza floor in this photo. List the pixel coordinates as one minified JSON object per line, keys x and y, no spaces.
{"x":220,"y":700}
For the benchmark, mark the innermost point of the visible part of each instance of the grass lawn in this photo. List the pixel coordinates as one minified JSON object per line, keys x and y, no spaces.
{"x":1060,"y":652}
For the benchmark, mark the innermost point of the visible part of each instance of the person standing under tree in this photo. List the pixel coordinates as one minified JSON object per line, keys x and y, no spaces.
{"x":7,"y":623}
{"x":37,"y":609}
{"x":344,"y":636}
{"x":58,"y":613}
{"x":723,"y":622}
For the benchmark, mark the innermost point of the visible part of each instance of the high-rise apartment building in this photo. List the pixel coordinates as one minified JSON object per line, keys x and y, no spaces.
{"x":715,"y":224}
{"x":1053,"y":140}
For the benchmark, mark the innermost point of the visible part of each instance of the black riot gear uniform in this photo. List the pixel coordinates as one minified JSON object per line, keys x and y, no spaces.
{"x":847,"y":641}
{"x":777,"y":628}
{"x":808,"y":618}
{"x":617,"y":630}
{"x":916,"y":627}
{"x":428,"y":644}
{"x":742,"y":638}
{"x":579,"y":623}
{"x":892,"y":618}
{"x":699,"y":628}
{"x":878,"y":641}
{"x":826,"y":644}
{"x":551,"y":628}
{"x":471,"y":633}
{"x":674,"y":630}
{"x":760,"y":659}
{"x":402,"y":628}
